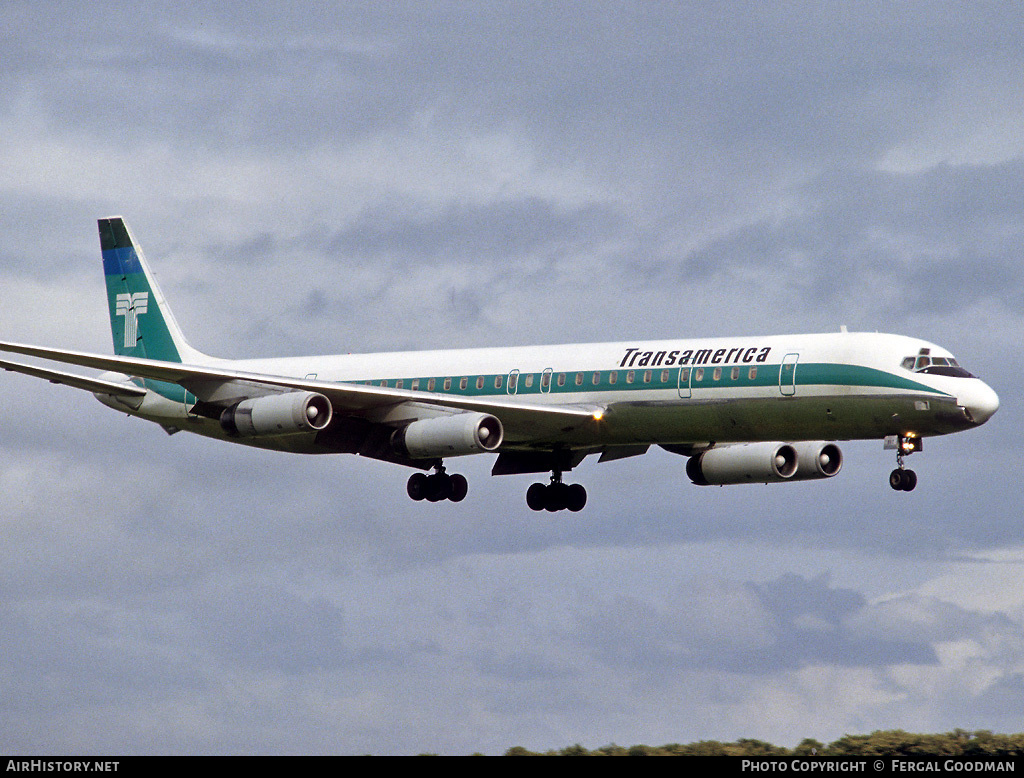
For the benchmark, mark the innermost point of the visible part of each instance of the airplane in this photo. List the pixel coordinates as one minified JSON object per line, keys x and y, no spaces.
{"x":765,"y":409}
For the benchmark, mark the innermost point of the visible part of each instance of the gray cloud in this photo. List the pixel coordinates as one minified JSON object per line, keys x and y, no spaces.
{"x":721,"y":626}
{"x":313,"y":178}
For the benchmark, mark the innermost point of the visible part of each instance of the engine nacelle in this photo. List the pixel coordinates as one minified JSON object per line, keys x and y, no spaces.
{"x":743,"y":463}
{"x":449,"y":436}
{"x":817,"y":459}
{"x":278,"y":414}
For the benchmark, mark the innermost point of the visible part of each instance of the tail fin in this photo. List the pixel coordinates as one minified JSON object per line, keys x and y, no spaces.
{"x":140,"y":319}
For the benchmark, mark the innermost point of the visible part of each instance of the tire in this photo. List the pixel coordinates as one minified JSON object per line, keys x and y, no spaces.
{"x":458,"y":488}
{"x":556,"y":494}
{"x":417,"y":486}
{"x":576,"y":498}
{"x":536,"y":497}
{"x":439,"y":486}
{"x":909,"y":480}
{"x":896,"y":479}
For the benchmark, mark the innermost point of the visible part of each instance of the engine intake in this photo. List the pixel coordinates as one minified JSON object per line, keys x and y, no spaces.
{"x":278,"y":414}
{"x":817,"y":459}
{"x":743,"y":463}
{"x":449,"y":436}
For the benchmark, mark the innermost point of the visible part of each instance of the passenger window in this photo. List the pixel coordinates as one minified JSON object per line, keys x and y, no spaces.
{"x":447,"y":384}
{"x":752,"y":373}
{"x":735,"y":374}
{"x":698,"y":375}
{"x":596,"y":379}
{"x":579,"y":379}
{"x":664,"y":376}
{"x":717,"y":376}
{"x":463,"y":382}
{"x":561,"y":379}
{"x":497,"y":382}
{"x":431,"y":383}
{"x":529,"y":380}
{"x":647,"y":376}
{"x":613,"y":376}
{"x":685,"y":377}
{"x":630,"y":376}
{"x":480,"y":382}
{"x":513,"y":381}
{"x":545,"y":380}
{"x":415,"y":384}
{"x":398,"y":383}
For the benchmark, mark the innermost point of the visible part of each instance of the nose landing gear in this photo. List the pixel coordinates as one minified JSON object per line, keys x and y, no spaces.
{"x":902,"y":479}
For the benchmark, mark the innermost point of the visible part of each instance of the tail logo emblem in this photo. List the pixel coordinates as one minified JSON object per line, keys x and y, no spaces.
{"x":131,"y":306}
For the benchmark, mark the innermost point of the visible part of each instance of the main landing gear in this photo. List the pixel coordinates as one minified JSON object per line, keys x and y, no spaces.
{"x":437,"y":487}
{"x":556,"y":496}
{"x":902,"y":479}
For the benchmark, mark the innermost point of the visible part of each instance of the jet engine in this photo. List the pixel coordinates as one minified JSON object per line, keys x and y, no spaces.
{"x":449,"y":436}
{"x":817,"y":459}
{"x":743,"y":463}
{"x":278,"y":414}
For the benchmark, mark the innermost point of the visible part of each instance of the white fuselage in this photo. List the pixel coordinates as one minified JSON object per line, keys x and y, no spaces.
{"x":697,"y":391}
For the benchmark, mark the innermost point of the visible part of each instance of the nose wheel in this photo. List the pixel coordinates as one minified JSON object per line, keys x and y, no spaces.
{"x":901,"y":479}
{"x":556,"y":496}
{"x":437,"y":487}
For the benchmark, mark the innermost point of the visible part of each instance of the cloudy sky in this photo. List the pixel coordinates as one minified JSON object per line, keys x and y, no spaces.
{"x":321,"y":178}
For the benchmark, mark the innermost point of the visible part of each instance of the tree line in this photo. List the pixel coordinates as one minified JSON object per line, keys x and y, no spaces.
{"x":959,"y":742}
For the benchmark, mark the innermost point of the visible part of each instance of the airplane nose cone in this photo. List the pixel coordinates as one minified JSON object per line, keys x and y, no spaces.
{"x":981,"y":402}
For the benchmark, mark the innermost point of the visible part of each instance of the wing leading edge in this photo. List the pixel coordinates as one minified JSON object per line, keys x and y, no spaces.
{"x":222,"y":385}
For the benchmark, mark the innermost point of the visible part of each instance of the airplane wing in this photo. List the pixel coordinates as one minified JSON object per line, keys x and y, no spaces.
{"x":77,"y":381}
{"x":522,"y":420}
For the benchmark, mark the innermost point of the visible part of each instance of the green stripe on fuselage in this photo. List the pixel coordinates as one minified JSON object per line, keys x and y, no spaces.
{"x":807,"y":374}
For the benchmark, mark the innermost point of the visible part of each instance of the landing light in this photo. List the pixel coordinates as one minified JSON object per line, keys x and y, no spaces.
{"x":598,"y":415}
{"x":910,"y":443}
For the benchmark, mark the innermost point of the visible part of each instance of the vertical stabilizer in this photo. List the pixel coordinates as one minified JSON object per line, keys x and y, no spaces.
{"x":140,"y":319}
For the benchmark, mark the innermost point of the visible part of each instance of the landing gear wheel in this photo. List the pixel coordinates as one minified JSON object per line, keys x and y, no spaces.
{"x":576,"y":498}
{"x":437,"y":487}
{"x":458,"y":488}
{"x":556,"y":496}
{"x":903,"y":480}
{"x":417,"y":486}
{"x":536,"y":496}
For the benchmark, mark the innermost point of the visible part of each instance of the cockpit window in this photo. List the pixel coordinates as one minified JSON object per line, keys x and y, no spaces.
{"x":925,"y":363}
